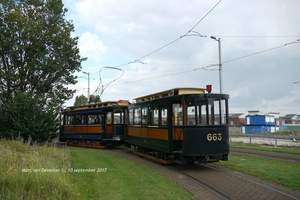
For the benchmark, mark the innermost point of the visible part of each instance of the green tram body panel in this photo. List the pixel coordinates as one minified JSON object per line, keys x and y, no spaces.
{"x":206,"y":141}
{"x":205,"y":138}
{"x":151,"y":143}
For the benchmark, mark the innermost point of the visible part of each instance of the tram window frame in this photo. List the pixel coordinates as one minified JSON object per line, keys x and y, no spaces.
{"x":78,"y":119}
{"x":69,"y":119}
{"x":119,"y":117}
{"x":137,"y":118}
{"x":109,"y":119}
{"x":190,"y":107}
{"x":215,"y":114}
{"x":95,"y":118}
{"x":153,"y":116}
{"x":144,"y":115}
{"x":163,"y":119}
{"x":131,"y":116}
{"x":201,"y":112}
{"x":223,"y":111}
{"x":177,"y":109}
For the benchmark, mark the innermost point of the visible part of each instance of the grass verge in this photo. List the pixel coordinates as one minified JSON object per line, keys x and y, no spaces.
{"x":119,"y":178}
{"x":24,"y":172}
{"x":290,"y":150}
{"x":283,"y":173}
{"x":42,"y":172}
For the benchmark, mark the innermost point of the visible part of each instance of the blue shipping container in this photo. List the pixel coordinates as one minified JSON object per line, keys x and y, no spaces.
{"x":262,"y":120}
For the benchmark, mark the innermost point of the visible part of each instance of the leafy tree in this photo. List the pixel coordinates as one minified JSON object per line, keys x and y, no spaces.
{"x":38,"y":57}
{"x":30,"y":117}
{"x":38,"y":54}
{"x":95,"y":98}
{"x":80,"y":100}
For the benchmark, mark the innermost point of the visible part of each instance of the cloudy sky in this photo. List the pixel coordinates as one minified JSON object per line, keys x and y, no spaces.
{"x":157,"y":45}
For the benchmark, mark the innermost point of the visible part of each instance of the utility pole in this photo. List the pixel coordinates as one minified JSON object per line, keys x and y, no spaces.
{"x":220,"y":63}
{"x":88,"y":73}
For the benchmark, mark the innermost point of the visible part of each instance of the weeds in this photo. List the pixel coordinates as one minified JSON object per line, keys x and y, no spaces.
{"x":34,"y":172}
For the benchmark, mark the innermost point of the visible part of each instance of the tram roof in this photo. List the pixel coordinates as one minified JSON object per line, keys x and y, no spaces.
{"x":171,"y":92}
{"x":92,"y":105}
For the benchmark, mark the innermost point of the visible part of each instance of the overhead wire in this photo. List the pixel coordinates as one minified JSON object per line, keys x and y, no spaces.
{"x":209,"y":66}
{"x":297,"y":41}
{"x":200,"y":68}
{"x":152,"y":52}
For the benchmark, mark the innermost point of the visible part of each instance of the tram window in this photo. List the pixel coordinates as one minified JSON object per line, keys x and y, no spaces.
{"x":164,"y":116}
{"x":145,"y":116}
{"x":153,"y":113}
{"x":137,"y":116}
{"x":177,"y":114}
{"x":95,"y":119}
{"x":118,"y":118}
{"x":217,"y":111}
{"x":69,"y":120}
{"x":190,"y":112}
{"x":78,"y":120}
{"x":131,"y":111}
{"x":223,"y":111}
{"x":201,"y":112}
{"x":108,"y":117}
{"x":81,"y":119}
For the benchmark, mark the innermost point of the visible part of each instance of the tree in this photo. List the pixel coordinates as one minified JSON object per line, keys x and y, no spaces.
{"x":38,"y":57}
{"x":94,"y":98}
{"x":30,"y":117}
{"x":37,"y":52}
{"x":80,"y":100}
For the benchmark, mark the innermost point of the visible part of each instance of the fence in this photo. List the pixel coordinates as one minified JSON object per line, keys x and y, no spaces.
{"x":272,"y":140}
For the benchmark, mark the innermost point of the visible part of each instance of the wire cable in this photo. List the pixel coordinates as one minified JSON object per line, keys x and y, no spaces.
{"x":191,"y":30}
{"x":297,"y":41}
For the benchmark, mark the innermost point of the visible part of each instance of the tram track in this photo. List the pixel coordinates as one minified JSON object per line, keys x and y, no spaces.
{"x":285,"y":157}
{"x":207,"y":181}
{"x":233,"y":185}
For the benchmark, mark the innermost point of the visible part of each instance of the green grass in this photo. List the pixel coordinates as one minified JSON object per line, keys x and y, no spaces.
{"x":22,"y":173}
{"x":290,"y":150}
{"x":283,"y":173}
{"x":123,"y":179}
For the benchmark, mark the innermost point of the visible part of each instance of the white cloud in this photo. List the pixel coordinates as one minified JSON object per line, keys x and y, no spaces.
{"x":91,"y":46}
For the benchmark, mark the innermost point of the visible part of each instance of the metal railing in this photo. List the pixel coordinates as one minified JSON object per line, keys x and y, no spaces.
{"x":272,"y":140}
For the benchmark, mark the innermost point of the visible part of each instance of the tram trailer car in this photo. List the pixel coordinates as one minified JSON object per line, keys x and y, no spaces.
{"x":180,"y":125}
{"x":96,"y":125}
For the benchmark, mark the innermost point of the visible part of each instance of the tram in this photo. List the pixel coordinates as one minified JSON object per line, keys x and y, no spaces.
{"x":180,"y":125}
{"x":96,"y":125}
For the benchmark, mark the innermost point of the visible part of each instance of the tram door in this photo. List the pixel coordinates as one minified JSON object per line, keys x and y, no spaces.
{"x":108,"y":124}
{"x":103,"y":125}
{"x":118,"y":129}
{"x":177,"y":123}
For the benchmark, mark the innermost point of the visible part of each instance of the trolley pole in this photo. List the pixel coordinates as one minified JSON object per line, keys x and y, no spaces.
{"x":88,"y":73}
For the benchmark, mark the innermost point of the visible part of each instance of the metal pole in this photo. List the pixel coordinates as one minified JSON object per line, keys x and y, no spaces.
{"x":88,"y":87}
{"x":220,"y":63}
{"x":88,"y":73}
{"x":220,"y":67}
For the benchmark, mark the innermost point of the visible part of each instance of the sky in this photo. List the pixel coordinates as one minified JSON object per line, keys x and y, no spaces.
{"x":139,"y":47}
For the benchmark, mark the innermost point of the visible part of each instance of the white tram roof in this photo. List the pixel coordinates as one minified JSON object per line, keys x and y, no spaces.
{"x":93,"y":105}
{"x":171,"y":92}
